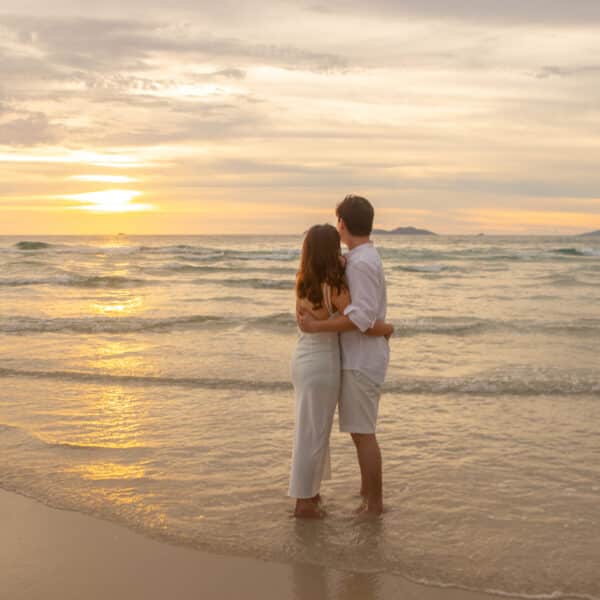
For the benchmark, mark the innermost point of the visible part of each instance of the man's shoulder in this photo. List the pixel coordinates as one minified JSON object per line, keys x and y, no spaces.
{"x":368,"y":258}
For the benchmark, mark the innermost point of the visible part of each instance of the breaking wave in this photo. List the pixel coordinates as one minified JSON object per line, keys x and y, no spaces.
{"x":500,"y":383}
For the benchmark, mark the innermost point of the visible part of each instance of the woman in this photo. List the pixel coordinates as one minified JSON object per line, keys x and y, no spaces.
{"x":316,"y":371}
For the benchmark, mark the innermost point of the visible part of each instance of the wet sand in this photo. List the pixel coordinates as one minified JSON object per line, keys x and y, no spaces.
{"x":57,"y":554}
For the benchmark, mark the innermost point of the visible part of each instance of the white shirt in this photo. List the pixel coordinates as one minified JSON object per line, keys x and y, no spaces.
{"x":367,"y":354}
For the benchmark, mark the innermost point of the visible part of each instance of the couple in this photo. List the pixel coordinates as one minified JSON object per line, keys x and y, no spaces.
{"x":336,"y":295}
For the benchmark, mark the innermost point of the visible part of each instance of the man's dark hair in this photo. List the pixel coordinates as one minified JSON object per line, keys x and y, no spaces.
{"x":357,"y":213}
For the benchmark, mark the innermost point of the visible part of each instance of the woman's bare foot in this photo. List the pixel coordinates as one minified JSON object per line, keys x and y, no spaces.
{"x":306,"y":508}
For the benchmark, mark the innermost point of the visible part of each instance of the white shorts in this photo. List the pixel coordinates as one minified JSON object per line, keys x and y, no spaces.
{"x":359,"y":403}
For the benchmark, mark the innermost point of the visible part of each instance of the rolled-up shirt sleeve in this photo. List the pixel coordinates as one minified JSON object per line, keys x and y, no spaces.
{"x":363,"y":282}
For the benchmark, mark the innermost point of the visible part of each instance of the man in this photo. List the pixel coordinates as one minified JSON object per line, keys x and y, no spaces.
{"x":364,"y":358}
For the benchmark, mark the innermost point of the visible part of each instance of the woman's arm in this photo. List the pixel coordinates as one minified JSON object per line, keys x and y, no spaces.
{"x":381,"y":328}
{"x":309,"y":324}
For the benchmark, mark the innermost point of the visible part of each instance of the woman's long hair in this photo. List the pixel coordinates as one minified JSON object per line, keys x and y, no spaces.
{"x":320,"y":263}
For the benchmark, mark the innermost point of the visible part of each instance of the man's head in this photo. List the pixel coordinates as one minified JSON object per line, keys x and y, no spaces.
{"x":355,"y":217}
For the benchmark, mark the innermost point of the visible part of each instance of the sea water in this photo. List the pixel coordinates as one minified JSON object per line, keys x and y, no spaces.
{"x":146,"y":380}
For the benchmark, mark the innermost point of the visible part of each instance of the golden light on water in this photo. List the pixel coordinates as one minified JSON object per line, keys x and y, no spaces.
{"x":119,"y":418}
{"x":118,"y":307}
{"x":110,"y":201}
{"x":120,"y":358}
{"x":109,"y":470}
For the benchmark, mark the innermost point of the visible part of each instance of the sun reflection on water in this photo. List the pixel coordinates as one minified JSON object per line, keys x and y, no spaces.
{"x":118,"y":305}
{"x":109,"y":470}
{"x":116,"y":419}
{"x":121,"y":358}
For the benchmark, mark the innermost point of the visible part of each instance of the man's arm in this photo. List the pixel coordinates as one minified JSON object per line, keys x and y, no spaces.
{"x":365,"y":288}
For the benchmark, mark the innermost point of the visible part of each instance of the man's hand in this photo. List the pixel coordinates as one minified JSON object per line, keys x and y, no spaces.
{"x":306,"y":321}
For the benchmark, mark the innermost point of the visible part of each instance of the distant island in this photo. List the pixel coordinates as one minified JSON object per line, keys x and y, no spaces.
{"x":597,"y":232}
{"x":404,"y":231}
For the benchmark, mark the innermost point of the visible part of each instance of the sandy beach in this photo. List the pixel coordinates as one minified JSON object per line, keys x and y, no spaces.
{"x":56,"y":554}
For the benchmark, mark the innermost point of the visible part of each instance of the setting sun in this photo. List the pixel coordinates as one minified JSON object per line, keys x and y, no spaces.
{"x":109,"y":201}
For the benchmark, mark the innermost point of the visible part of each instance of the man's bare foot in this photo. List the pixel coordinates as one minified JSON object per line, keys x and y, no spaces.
{"x":316,"y":499}
{"x":307,"y":509}
{"x":375,"y":508}
{"x":362,"y":506}
{"x":367,"y":513}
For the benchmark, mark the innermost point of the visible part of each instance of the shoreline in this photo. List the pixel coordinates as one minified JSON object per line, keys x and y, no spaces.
{"x":57,"y":554}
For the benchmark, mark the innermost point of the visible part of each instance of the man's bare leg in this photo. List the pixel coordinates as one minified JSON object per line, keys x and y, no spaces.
{"x":363,"y":475}
{"x":369,"y":460}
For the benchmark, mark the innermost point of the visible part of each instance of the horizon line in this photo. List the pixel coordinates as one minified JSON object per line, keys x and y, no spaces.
{"x":433,"y":234}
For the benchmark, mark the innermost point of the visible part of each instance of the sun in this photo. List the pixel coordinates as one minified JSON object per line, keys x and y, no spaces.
{"x":110,"y":201}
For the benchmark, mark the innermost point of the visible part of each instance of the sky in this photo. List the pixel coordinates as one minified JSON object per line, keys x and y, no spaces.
{"x":197,"y":117}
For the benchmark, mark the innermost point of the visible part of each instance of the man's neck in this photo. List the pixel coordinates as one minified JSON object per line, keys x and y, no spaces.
{"x":354,"y":242}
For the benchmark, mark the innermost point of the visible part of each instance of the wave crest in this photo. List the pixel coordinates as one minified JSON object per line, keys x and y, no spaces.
{"x":27,"y":245}
{"x":578,"y":252}
{"x":500,"y":383}
{"x":74,"y":280}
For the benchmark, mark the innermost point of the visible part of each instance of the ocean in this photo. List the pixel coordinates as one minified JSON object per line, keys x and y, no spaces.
{"x":146,"y":380}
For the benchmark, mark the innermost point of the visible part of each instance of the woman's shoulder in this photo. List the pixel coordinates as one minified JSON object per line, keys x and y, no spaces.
{"x":306,"y":304}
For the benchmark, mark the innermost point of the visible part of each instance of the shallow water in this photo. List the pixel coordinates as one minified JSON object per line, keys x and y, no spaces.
{"x":146,"y":380}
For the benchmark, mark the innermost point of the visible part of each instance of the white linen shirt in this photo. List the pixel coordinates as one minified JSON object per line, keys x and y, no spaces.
{"x":366,"y":281}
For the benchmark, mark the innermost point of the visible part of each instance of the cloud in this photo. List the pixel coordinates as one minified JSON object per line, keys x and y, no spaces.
{"x":104,"y":45}
{"x":230,"y":124}
{"x":28,"y":130}
{"x":228,"y":74}
{"x":431,"y":105}
{"x":556,"y":12}
{"x":568,"y":71}
{"x":560,"y":12}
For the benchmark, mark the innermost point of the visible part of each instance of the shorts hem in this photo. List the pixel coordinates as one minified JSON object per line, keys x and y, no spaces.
{"x":350,"y":429}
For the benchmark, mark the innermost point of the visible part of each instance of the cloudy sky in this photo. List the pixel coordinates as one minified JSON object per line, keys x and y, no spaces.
{"x":203,"y":117}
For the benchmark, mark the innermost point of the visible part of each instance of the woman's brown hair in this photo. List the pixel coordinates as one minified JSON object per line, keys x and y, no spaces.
{"x":320,"y":263}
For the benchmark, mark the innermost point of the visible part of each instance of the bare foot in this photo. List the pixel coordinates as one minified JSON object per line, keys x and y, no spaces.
{"x":369,"y":508}
{"x":375,"y":509}
{"x":368,"y":514}
{"x":316,"y":499}
{"x":362,"y":506}
{"x":307,"y":509}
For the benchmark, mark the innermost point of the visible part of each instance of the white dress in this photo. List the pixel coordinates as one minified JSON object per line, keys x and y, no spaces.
{"x":316,"y":375}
